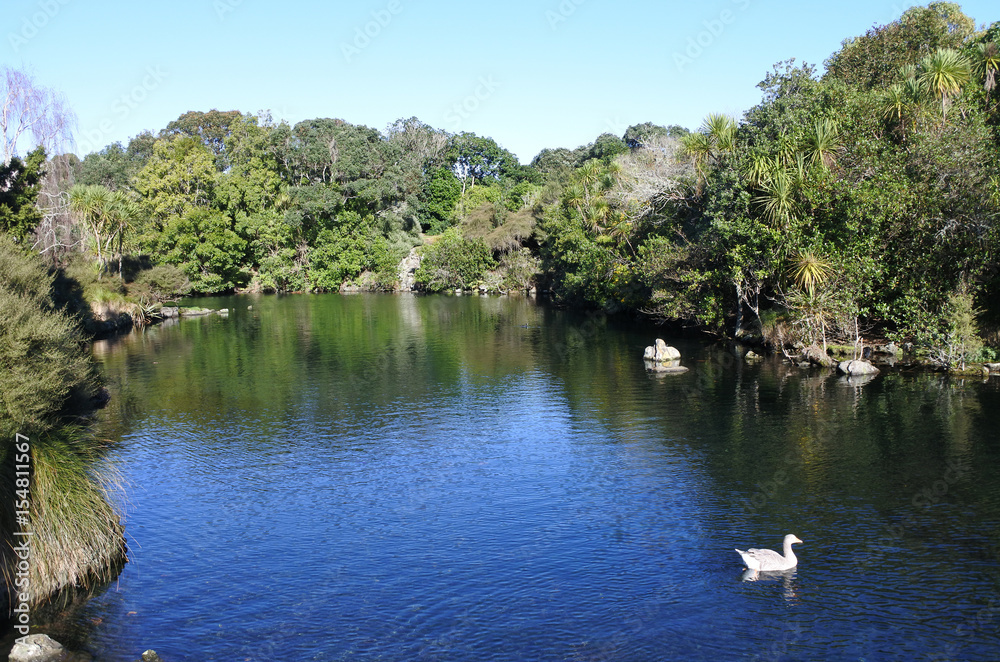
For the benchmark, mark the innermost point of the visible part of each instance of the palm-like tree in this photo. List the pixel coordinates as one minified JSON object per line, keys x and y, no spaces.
{"x":697,"y":146}
{"x":590,"y":176}
{"x":574,"y":197}
{"x":823,"y":143}
{"x":985,"y":63}
{"x":943,"y":74}
{"x":777,"y":201}
{"x":721,"y":132}
{"x":758,"y":170}
{"x":91,"y":203}
{"x":122,"y":212}
{"x":808,"y":270}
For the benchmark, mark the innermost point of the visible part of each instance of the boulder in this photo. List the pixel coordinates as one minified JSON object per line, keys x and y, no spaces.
{"x":994,"y":368}
{"x":752,"y":356}
{"x":891,"y":349}
{"x":169,"y":311}
{"x":407,"y":270}
{"x":150,"y":656}
{"x":43,"y":648}
{"x":815,"y":355}
{"x":661,"y":352}
{"x":857,"y":367}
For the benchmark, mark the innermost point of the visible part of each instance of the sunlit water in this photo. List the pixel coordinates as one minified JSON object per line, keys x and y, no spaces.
{"x":462,"y":478}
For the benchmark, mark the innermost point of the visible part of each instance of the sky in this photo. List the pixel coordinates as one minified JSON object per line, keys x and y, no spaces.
{"x":529,"y":74}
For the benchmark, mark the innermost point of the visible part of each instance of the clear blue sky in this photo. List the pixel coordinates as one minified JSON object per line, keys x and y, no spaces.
{"x":530,"y":74}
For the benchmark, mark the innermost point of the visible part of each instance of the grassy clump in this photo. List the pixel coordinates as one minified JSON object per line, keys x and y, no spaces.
{"x":79,"y":538}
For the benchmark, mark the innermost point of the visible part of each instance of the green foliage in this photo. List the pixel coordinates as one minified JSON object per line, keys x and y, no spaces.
{"x":350,"y":246}
{"x":204,"y":245}
{"x":212,"y":129}
{"x":649,"y":134}
{"x":520,"y":269}
{"x":78,"y":536}
{"x":441,"y":193}
{"x":873,"y":60}
{"x":178,"y":178}
{"x":453,"y":262}
{"x":114,"y":166}
{"x":162,"y":282}
{"x":43,"y":365}
{"x":952,"y":336}
{"x":607,"y":147}
{"x":20,"y":182}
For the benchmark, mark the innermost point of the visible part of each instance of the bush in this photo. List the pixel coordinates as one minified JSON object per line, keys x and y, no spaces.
{"x":520,"y":269}
{"x":43,"y":365}
{"x":343,"y":252}
{"x":453,"y":262}
{"x":163,"y":282}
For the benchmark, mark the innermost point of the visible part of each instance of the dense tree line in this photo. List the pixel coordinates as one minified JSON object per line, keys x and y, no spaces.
{"x":859,"y":201}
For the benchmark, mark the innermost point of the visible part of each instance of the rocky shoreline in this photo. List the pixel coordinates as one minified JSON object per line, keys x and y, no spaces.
{"x":43,"y":648}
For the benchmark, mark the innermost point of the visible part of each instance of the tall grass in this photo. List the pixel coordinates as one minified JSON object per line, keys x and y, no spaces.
{"x":77,"y":535}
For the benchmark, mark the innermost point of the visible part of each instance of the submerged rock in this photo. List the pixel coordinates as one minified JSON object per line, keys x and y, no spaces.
{"x":665,"y":368}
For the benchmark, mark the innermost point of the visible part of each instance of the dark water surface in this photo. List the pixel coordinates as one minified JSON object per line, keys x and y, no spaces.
{"x":462,"y":478}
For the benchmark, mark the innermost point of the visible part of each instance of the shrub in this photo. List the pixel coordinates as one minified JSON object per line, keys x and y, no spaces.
{"x":41,"y":360}
{"x":454,"y":262}
{"x":161,"y":283}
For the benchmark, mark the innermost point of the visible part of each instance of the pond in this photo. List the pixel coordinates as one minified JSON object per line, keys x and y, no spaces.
{"x":397,"y":477}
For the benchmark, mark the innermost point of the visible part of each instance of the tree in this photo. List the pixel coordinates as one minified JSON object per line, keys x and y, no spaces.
{"x":944,"y":73}
{"x":823,"y":143}
{"x":607,"y":147}
{"x":649,"y":134}
{"x":474,"y":158}
{"x":20,"y":183}
{"x":106,"y":215}
{"x":441,"y":192}
{"x":179,"y":177}
{"x":204,"y":245}
{"x":211,"y":128}
{"x":27,"y":108}
{"x":985,"y":63}
{"x":872,"y":60}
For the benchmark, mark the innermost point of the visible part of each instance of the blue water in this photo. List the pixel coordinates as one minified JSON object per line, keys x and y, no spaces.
{"x":445,"y":478}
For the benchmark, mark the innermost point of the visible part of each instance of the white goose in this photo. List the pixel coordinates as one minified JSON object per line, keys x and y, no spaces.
{"x":767,"y":560}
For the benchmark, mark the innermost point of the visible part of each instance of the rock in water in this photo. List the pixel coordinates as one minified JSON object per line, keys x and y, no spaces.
{"x":43,"y":648}
{"x":661,"y":352}
{"x":857,"y":367}
{"x":815,"y":355}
